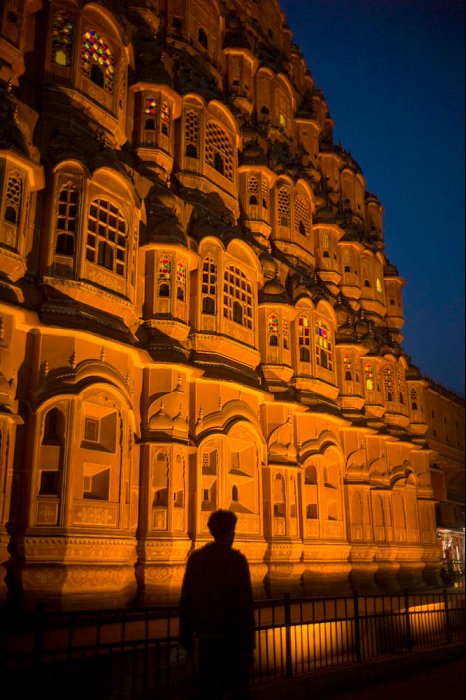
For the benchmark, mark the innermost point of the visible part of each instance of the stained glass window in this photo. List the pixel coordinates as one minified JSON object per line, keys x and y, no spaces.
{"x":97,"y":61}
{"x":150,"y":106}
{"x":323,"y":346}
{"x":164,"y":276}
{"x":273,"y":328}
{"x":165,"y":115}
{"x":370,"y":377}
{"x":347,"y":367}
{"x":180,"y":280}
{"x":62,"y":38}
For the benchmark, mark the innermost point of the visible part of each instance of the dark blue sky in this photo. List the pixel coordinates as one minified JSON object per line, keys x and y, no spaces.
{"x":392,"y":73}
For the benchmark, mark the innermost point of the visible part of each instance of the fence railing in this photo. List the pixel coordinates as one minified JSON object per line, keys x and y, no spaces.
{"x":131,"y":653}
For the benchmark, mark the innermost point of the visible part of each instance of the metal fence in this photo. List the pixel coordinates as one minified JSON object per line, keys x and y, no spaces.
{"x":129,"y":654}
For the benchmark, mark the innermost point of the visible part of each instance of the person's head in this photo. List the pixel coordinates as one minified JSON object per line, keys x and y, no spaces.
{"x":222,"y":525}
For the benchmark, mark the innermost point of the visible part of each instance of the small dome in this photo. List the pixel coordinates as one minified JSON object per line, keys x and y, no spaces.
{"x":161,"y":421}
{"x":273,"y":287}
{"x":390,"y":270}
{"x":278,"y":449}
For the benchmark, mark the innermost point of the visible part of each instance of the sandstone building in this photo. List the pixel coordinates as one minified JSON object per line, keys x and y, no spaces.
{"x":196,"y":312}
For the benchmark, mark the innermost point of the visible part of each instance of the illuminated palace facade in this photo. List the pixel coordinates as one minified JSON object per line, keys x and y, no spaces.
{"x":196,"y":312}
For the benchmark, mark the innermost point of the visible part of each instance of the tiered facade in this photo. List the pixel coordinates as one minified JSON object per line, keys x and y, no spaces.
{"x":197,"y":313}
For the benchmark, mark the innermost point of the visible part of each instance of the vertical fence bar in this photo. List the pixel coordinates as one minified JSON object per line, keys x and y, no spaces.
{"x":447,"y":616}
{"x":288,"y":657}
{"x":409,"y":638}
{"x":357,"y":629}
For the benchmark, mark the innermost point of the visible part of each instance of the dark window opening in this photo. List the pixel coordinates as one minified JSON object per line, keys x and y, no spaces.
{"x":389,"y":396}
{"x":219,"y":164}
{"x":180,"y":294}
{"x":347,"y":268}
{"x":191,"y":151}
{"x":367,"y":283}
{"x":273,"y":340}
{"x":414,"y":406}
{"x":253,"y":200}
{"x":234,"y":494}
{"x":237,"y":312}
{"x":105,"y":255}
{"x":97,"y":75}
{"x":208,"y":305}
{"x":302,"y":228}
{"x":11,"y":215}
{"x":177,"y":23}
{"x":265,"y":110}
{"x":164,"y":290}
{"x":202,"y":38}
{"x":325,"y":254}
{"x":304,"y":354}
{"x":323,"y":359}
{"x":348,"y":376}
{"x":65,"y":244}
{"x":149,"y":125}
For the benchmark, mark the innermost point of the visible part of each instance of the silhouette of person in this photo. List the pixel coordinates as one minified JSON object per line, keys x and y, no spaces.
{"x":216,"y":605}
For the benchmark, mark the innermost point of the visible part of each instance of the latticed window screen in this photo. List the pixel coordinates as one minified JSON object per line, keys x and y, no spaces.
{"x":285,"y":333}
{"x":219,"y":151}
{"x":284,"y":206}
{"x":67,"y":219}
{"x":253,"y":190}
{"x":264,"y":85}
{"x":324,"y":348}
{"x":13,"y":195}
{"x":265,"y":194}
{"x":62,"y":38}
{"x":237,"y":297}
{"x":400,"y":385}
{"x":346,"y":260}
{"x":97,"y":61}
{"x":209,"y":286}
{"x":192,"y":129}
{"x":302,"y":217}
{"x":106,"y":236}
{"x":388,"y":384}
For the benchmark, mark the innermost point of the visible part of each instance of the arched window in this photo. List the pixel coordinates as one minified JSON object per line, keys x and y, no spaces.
{"x":237,"y":297}
{"x":191,"y":134}
{"x":209,"y":285}
{"x":273,"y":329}
{"x":302,"y":217}
{"x":265,"y":194}
{"x":180,"y":281}
{"x":164,"y":276}
{"x":284,"y":206}
{"x":62,"y":38}
{"x":97,"y":61}
{"x":324,"y":347}
{"x":13,"y":197}
{"x":388,"y":384}
{"x":369,"y":373}
{"x":347,"y":367}
{"x":106,"y":236}
{"x":219,"y":151}
{"x":304,"y":339}
{"x":310,"y":475}
{"x":165,"y":119}
{"x":253,"y":191}
{"x":67,"y":220}
{"x":285,"y":334}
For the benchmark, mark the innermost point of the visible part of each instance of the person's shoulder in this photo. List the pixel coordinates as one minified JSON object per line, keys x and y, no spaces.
{"x":239,"y":556}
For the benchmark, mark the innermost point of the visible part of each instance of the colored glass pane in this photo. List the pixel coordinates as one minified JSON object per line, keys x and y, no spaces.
{"x":150,"y":106}
{"x":165,"y":268}
{"x":62,"y":38}
{"x":273,"y":323}
{"x":95,"y":52}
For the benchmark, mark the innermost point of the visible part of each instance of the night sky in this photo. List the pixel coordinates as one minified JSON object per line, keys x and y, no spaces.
{"x":392,"y":73}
